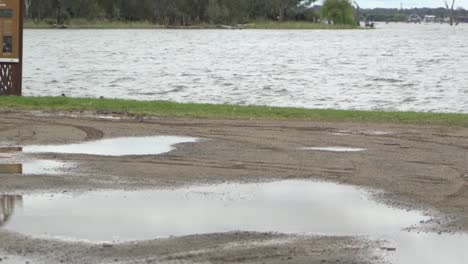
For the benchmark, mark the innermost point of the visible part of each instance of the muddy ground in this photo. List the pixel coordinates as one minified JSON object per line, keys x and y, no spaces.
{"x":416,"y":167}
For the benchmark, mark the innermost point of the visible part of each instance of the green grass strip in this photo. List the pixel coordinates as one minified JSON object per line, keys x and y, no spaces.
{"x":171,"y":109}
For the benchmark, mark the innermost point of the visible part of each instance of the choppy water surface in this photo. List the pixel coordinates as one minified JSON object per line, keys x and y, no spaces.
{"x":397,"y":67}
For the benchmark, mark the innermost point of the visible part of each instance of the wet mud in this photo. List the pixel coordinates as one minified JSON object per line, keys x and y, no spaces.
{"x":417,"y":168}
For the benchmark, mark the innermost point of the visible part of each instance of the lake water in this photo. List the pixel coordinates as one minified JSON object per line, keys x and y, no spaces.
{"x":396,"y":67}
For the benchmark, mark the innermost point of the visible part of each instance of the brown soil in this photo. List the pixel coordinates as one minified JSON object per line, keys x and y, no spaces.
{"x":417,"y":167}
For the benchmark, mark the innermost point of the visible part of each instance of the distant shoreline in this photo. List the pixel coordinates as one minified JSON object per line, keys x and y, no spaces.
{"x":84,"y":24}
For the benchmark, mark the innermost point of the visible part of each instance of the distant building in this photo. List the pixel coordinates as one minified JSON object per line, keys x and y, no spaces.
{"x":414,"y":18}
{"x":430,"y":19}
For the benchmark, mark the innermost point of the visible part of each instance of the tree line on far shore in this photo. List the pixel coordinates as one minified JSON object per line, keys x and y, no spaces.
{"x":401,"y":15}
{"x":173,"y":12}
{"x":192,"y":12}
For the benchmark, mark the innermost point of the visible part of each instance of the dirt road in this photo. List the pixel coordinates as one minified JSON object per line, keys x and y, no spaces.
{"x":416,"y":167}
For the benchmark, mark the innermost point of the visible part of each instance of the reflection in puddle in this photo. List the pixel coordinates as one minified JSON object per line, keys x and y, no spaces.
{"x":7,"y":207}
{"x":32,"y":167}
{"x":35,"y":167}
{"x":6,"y":153}
{"x":11,"y":149}
{"x":285,"y":207}
{"x":291,"y":207}
{"x":116,"y":146}
{"x":11,"y":168}
{"x":335,"y":149}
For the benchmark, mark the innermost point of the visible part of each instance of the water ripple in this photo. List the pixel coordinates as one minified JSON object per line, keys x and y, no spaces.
{"x":397,"y":67}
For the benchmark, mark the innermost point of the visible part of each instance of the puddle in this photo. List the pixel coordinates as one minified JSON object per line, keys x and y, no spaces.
{"x":428,"y":248}
{"x":10,"y":259}
{"x":7,"y":153}
{"x":35,"y":167}
{"x":285,"y":207}
{"x":363,"y":132}
{"x":378,"y":133}
{"x":335,"y":149}
{"x":290,"y":207}
{"x":31,"y":167}
{"x":126,"y":146}
{"x":106,"y":117}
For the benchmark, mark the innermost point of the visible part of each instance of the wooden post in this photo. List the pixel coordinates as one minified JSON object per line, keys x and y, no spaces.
{"x":11,"y":51}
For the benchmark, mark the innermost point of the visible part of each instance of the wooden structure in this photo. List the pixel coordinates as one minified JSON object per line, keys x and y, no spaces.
{"x":11,"y":169}
{"x":11,"y":51}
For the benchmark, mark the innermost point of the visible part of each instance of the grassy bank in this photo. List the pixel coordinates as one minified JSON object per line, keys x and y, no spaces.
{"x":170,"y":109}
{"x":86,"y":24}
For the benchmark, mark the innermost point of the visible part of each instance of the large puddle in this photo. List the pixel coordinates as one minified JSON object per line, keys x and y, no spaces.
{"x":285,"y":207}
{"x":291,"y":207}
{"x":126,"y":146}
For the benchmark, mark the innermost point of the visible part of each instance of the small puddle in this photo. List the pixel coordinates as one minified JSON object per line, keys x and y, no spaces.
{"x":290,"y":207}
{"x":335,"y":149}
{"x":363,"y":132}
{"x":35,"y":167}
{"x":126,"y":146}
{"x":377,"y":133}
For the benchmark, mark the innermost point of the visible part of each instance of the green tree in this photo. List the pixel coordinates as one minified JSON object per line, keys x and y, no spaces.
{"x":338,"y":12}
{"x":171,"y":12}
{"x":216,"y":12}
